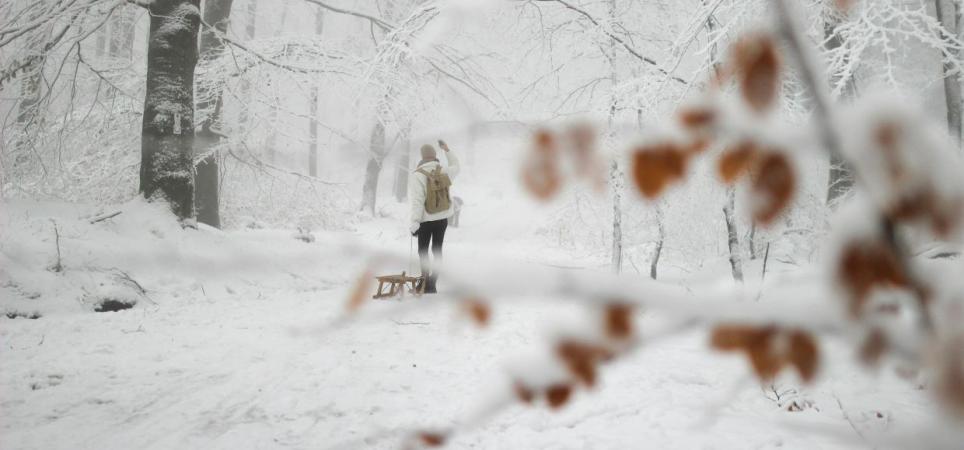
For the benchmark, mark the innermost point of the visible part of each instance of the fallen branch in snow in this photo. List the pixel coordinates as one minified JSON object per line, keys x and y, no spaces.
{"x":105,"y":217}
{"x":57,"y":267}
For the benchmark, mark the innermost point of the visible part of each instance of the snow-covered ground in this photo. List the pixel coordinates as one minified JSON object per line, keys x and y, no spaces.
{"x":231,"y":346}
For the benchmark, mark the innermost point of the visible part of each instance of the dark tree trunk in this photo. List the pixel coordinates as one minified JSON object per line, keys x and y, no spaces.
{"x":374,"y":167}
{"x":313,"y":108}
{"x":122,"y":32}
{"x":946,"y":12}
{"x":841,"y":179}
{"x":168,"y":128}
{"x":732,"y":238}
{"x":402,"y":167}
{"x":217,"y":13}
{"x":30,"y":82}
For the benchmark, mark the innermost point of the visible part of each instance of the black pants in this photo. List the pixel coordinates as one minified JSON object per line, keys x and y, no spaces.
{"x":434,"y":232}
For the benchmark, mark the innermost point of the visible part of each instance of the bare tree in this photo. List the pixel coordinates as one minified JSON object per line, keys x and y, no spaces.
{"x":841,"y":179}
{"x":313,"y":107}
{"x":217,"y":14}
{"x":167,"y":151}
{"x":947,"y":12}
{"x":402,"y":164}
{"x":374,"y":167}
{"x":615,"y":175}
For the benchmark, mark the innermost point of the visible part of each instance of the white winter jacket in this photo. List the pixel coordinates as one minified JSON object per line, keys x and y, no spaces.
{"x":417,"y":187}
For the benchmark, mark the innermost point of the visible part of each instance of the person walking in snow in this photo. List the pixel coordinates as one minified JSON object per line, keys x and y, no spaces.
{"x":432,"y":207}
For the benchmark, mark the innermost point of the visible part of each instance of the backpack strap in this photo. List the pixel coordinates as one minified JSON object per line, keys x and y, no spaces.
{"x":422,"y":171}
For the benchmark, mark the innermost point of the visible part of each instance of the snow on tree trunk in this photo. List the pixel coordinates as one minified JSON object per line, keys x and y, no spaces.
{"x":313,"y":108}
{"x":168,"y":128}
{"x":122,"y":28}
{"x":736,"y":261}
{"x":840,"y":179}
{"x":402,"y":166}
{"x":374,"y":167}
{"x":947,"y":14}
{"x":659,"y":243}
{"x":615,"y":177}
{"x":217,"y":13}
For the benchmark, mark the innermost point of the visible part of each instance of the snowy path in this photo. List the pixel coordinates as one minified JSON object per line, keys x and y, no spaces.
{"x":239,"y":360}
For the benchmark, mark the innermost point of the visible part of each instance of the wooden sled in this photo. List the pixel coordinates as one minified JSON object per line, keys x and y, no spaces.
{"x":398,"y":284}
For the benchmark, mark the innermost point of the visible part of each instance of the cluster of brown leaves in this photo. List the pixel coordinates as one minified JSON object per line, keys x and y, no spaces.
{"x":542,"y":174}
{"x":582,"y":359}
{"x":865,"y":265}
{"x":770,"y":349}
{"x":917,"y":198}
{"x":773,"y":180}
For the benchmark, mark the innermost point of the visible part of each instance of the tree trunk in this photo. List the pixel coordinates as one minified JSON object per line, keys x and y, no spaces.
{"x":168,"y":128}
{"x":377,"y":149}
{"x":313,"y":107}
{"x":615,"y":178}
{"x":402,"y":166}
{"x":659,"y":243}
{"x":732,"y":235}
{"x":841,"y":179}
{"x":122,"y":32}
{"x":217,"y":13}
{"x":736,"y":261}
{"x":946,"y":12}
{"x":30,"y":80}
{"x":250,"y":29}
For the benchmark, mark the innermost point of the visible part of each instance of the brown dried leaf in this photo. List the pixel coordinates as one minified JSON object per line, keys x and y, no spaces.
{"x":804,"y":354}
{"x":523,"y":393}
{"x":656,"y":166}
{"x":619,"y":321}
{"x":479,"y":311}
{"x":774,"y":184}
{"x":697,"y":118}
{"x":763,"y":357}
{"x":581,"y":359}
{"x":736,"y":161}
{"x":866,"y":265}
{"x":432,"y":439}
{"x":756,"y":342}
{"x":545,"y":142}
{"x":732,"y":337}
{"x":558,"y":395}
{"x":360,"y":293}
{"x":757,"y":65}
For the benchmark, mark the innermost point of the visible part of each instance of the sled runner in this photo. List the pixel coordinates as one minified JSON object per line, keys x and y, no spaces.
{"x":397,"y":285}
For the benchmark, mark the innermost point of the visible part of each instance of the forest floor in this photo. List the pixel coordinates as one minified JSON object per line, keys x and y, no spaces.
{"x":230,"y":346}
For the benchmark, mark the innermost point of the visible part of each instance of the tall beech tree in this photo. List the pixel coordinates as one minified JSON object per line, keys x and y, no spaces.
{"x":168,"y":129}
{"x":217,"y":14}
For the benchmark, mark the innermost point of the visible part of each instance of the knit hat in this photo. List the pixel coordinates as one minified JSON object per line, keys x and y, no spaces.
{"x":428,"y":152}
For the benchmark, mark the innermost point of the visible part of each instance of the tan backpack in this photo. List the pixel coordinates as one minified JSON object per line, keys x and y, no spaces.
{"x":436,"y":190}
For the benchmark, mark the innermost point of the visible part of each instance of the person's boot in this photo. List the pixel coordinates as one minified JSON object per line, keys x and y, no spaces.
{"x":430,"y":285}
